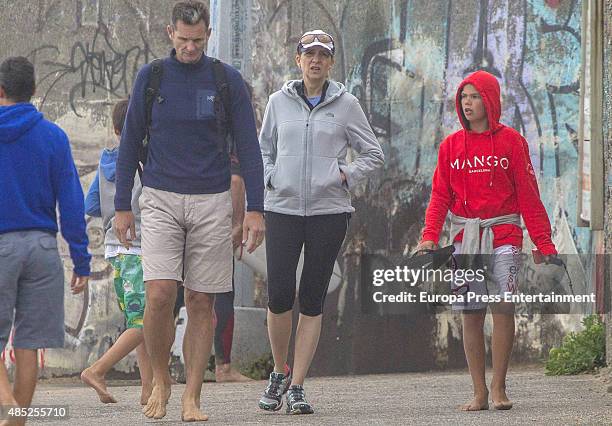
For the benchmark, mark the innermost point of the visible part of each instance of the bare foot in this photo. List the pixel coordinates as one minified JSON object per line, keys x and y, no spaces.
{"x":156,"y":405}
{"x":225,"y":373}
{"x":192,"y":413}
{"x":480,"y":402}
{"x":97,"y":383}
{"x":500,"y":399}
{"x":10,"y":420}
{"x":145,"y":393}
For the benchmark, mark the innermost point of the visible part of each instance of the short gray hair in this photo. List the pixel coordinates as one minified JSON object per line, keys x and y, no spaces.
{"x":190,"y":12}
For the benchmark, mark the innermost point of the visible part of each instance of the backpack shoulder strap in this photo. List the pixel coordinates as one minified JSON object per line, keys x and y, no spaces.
{"x":224,"y":117}
{"x":151,"y":93}
{"x":152,"y":90}
{"x":222,"y":85}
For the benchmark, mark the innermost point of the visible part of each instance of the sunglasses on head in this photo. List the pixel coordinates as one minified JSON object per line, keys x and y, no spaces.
{"x":322,"y":38}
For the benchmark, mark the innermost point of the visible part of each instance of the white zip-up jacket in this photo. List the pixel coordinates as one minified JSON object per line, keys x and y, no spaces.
{"x":304,"y":150}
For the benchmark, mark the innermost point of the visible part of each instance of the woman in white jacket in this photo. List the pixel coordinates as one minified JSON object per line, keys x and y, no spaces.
{"x":307,"y":129}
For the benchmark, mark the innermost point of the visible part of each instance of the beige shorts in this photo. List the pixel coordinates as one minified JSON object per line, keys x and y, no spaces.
{"x":188,"y":238}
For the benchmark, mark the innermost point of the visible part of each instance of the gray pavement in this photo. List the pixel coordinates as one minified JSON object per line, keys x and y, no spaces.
{"x":395,"y":399}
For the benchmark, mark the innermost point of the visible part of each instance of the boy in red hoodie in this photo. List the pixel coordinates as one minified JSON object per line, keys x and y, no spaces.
{"x":485,"y":178}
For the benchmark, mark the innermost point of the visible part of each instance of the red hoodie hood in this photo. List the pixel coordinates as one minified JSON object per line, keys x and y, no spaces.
{"x":488,"y":87}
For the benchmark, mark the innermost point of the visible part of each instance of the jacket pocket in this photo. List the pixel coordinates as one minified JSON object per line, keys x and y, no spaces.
{"x":326,"y":181}
{"x":286,"y":179}
{"x":269,"y":186}
{"x":145,"y":201}
{"x":328,"y":139}
{"x":206,"y":102}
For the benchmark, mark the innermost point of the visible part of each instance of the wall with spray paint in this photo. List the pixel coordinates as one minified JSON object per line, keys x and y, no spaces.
{"x":403,"y":60}
{"x":86,"y":55}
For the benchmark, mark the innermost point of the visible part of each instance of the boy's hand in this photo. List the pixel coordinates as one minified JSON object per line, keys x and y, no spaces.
{"x":78,"y":283}
{"x":425,"y":246}
{"x":124,"y":221}
{"x":553,"y":259}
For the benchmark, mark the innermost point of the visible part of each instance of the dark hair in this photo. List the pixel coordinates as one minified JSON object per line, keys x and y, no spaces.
{"x":119,"y":113}
{"x":17,"y":79}
{"x":190,"y":12}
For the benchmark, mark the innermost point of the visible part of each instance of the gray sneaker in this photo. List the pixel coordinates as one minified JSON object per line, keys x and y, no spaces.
{"x":296,"y":401}
{"x":272,"y":398}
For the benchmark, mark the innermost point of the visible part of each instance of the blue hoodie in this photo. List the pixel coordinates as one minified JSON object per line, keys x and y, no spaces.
{"x":37,"y":175}
{"x":108,"y":165}
{"x":100,"y":203}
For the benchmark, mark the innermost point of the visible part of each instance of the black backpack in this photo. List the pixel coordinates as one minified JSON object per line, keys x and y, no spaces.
{"x":222,"y":108}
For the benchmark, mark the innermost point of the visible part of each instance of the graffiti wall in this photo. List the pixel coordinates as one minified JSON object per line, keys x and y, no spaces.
{"x":86,"y":54}
{"x":403,"y":59}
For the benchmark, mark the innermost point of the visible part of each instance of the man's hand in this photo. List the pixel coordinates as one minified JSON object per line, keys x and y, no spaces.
{"x":425,"y":246}
{"x":124,"y":221}
{"x":253,"y":230}
{"x":237,"y":239}
{"x":78,"y":283}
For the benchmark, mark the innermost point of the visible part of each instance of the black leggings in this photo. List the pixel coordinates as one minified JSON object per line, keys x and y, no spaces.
{"x":322,"y":237}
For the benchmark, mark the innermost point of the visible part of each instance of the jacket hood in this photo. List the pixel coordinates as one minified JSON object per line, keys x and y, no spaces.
{"x":108,"y":163}
{"x":488,"y":87}
{"x":334,"y":90}
{"x":16,"y":120}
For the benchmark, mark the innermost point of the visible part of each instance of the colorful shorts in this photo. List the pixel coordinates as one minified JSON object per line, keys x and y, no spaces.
{"x":502,"y":278}
{"x":129,"y":287}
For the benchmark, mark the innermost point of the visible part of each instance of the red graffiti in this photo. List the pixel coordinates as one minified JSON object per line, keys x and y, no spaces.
{"x":553,"y":3}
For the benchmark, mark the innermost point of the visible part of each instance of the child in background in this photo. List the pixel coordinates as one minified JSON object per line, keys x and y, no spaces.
{"x":127,"y":266}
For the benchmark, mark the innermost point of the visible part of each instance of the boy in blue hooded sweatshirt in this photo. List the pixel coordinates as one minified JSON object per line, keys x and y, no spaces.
{"x":127,"y":265}
{"x":37,"y":179}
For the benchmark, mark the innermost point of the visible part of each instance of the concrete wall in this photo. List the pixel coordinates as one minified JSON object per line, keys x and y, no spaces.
{"x":403,"y":60}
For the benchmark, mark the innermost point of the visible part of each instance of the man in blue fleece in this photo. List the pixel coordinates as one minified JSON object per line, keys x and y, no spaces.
{"x":186,"y":206}
{"x":37,"y":175}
